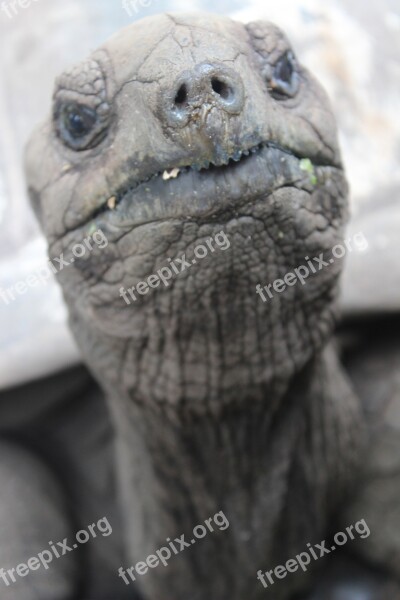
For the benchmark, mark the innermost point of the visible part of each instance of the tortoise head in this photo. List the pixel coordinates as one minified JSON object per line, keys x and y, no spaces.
{"x":204,"y":157}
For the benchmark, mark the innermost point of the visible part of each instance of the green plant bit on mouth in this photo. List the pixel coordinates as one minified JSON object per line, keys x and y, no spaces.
{"x":307,"y":166}
{"x":92,"y":229}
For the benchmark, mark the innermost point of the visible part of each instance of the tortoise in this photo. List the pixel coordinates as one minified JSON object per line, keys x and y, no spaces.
{"x":206,"y":158}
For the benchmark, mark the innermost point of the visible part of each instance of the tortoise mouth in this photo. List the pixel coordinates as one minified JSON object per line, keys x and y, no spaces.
{"x":174,"y":172}
{"x":225,"y":166}
{"x":205,"y":191}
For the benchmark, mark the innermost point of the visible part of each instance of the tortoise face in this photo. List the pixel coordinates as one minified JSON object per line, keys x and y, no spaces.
{"x":185,"y":132}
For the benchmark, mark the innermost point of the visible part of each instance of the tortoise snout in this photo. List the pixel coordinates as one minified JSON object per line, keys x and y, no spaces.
{"x":206,"y":87}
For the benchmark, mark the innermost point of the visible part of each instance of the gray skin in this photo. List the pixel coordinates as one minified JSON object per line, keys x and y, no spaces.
{"x":219,"y":401}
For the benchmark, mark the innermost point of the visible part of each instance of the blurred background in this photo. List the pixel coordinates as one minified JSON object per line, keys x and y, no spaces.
{"x":352,"y":46}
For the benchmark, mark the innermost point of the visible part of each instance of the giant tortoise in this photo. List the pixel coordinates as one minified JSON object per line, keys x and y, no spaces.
{"x":191,"y":189}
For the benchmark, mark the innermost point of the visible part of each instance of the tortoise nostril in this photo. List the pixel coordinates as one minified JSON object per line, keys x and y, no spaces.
{"x":206,"y":86}
{"x":181,"y":95}
{"x":221,"y":88}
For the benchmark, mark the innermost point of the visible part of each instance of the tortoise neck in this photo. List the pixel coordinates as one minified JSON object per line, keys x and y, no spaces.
{"x":179,"y":469}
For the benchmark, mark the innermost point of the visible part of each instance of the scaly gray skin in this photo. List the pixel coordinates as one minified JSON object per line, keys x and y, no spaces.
{"x":220,"y":401}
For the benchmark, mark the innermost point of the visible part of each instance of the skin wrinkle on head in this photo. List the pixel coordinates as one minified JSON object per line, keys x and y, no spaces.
{"x":203,"y":372}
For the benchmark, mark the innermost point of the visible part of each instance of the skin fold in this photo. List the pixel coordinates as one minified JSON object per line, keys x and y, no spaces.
{"x":179,"y":129}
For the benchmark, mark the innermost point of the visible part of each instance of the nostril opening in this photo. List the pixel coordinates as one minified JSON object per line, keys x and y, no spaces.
{"x":221,"y":88}
{"x":181,"y":95}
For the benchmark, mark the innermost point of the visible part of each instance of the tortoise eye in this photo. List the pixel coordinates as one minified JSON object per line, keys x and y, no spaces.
{"x":285,"y":78}
{"x":78,"y":120}
{"x":78,"y":126}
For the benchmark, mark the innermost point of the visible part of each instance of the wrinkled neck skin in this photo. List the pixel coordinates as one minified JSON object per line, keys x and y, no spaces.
{"x":275,"y":457}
